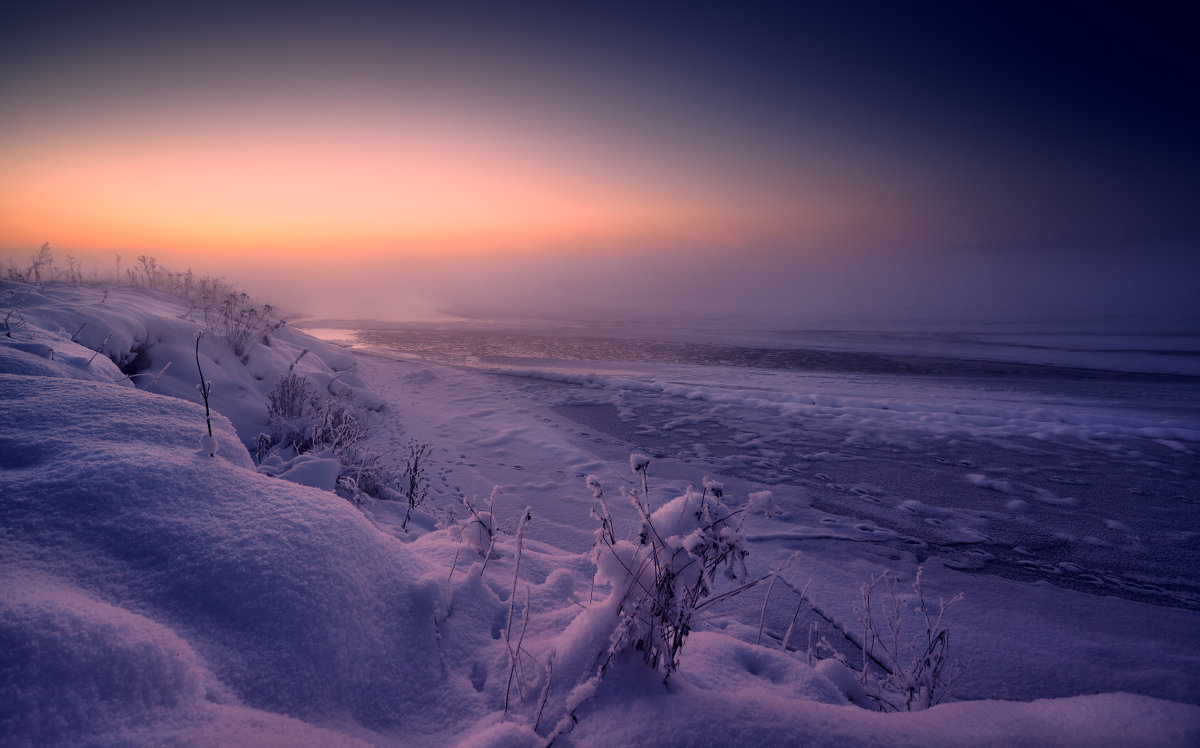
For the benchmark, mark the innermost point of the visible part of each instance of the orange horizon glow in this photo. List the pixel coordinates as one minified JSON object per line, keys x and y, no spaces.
{"x":434,"y":187}
{"x":420,"y":150}
{"x":346,"y":158}
{"x":428,"y":153}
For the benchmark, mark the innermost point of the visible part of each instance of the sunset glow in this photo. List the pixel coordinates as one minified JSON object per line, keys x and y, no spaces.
{"x":812,"y":153}
{"x":155,"y":148}
{"x":368,"y":185}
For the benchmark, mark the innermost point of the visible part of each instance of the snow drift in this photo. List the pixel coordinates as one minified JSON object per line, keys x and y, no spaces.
{"x":150,"y":593}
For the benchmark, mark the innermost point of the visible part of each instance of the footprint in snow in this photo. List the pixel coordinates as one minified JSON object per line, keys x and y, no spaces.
{"x":478,"y":676}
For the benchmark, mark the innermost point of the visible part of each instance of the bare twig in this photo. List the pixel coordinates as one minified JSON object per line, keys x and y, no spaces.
{"x":490,"y":527}
{"x":100,"y":348}
{"x":787,"y":636}
{"x":205,"y":386}
{"x":159,"y":374}
{"x":545,"y":693}
{"x":514,"y":655}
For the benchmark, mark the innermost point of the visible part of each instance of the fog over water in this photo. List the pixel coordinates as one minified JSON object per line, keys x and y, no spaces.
{"x":1151,"y":291}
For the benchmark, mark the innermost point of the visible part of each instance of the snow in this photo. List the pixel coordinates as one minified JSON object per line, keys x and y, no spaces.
{"x":153,"y":594}
{"x":318,"y":472}
{"x":239,"y":561}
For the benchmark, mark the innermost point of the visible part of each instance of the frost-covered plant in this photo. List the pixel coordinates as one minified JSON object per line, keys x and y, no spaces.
{"x":292,"y":406}
{"x":100,"y":348}
{"x":338,"y":428}
{"x":150,"y":270}
{"x":478,"y":531}
{"x":74,"y":271}
{"x":606,"y":534}
{"x":42,"y":261}
{"x":154,"y":376}
{"x":14,"y":304}
{"x":640,"y":465}
{"x":364,"y":477}
{"x":239,"y":320}
{"x":292,"y":397}
{"x":303,"y":420}
{"x":13,"y":273}
{"x":414,"y":480}
{"x":40,"y":269}
{"x":762,"y":501}
{"x":667,"y":576}
{"x":514,"y":651}
{"x":372,"y":475}
{"x":902,"y":670}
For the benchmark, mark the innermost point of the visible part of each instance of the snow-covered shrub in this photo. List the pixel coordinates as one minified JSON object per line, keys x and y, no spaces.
{"x":338,"y":428}
{"x":664,"y":578}
{"x":292,"y":406}
{"x":292,"y":397}
{"x":364,"y":475}
{"x":301,"y":420}
{"x":901,"y":670}
{"x":39,"y":271}
{"x":762,"y":501}
{"x":238,"y":319}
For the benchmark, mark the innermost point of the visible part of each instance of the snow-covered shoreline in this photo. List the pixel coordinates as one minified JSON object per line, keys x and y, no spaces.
{"x":152,"y":594}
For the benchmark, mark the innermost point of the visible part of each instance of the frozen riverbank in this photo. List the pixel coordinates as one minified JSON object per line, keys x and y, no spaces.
{"x":1062,"y":505}
{"x":155,"y":593}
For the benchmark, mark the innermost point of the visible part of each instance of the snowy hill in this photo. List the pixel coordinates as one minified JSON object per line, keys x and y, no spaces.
{"x":152,"y":594}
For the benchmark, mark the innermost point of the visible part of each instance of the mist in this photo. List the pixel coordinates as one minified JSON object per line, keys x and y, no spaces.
{"x":1155,"y":290}
{"x":1081,"y":283}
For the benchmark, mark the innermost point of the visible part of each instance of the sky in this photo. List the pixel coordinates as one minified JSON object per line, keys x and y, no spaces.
{"x":366,"y":159}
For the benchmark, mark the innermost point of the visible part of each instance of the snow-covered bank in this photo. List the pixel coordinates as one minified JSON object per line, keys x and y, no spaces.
{"x":151,"y":594}
{"x":147,"y":339}
{"x":146,"y":575}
